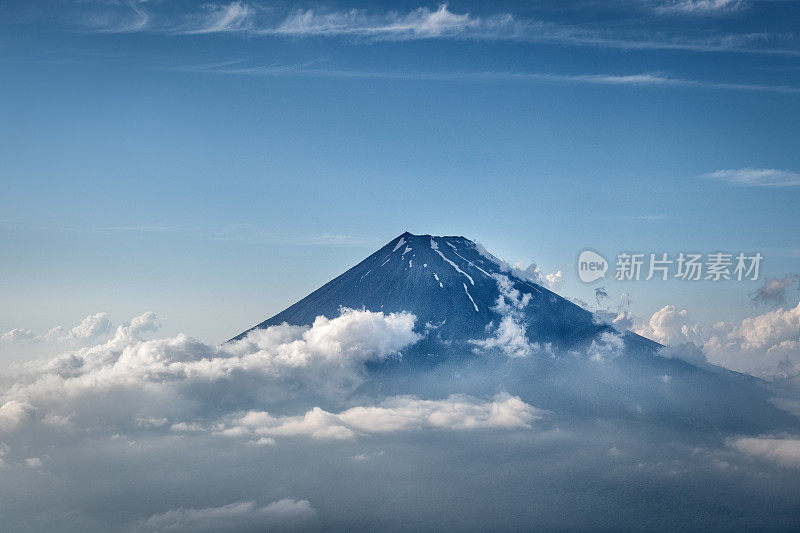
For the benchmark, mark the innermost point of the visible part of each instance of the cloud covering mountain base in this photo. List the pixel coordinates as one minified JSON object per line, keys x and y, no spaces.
{"x":322,"y":426}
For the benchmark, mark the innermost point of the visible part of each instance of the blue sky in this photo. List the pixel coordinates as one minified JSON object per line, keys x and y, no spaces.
{"x":216,"y":162}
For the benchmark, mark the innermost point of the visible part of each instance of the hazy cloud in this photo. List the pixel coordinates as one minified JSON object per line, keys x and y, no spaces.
{"x":630,"y":80}
{"x":784,"y":451}
{"x":286,"y":514}
{"x":756,"y":177}
{"x":404,"y":413}
{"x":774,"y":291}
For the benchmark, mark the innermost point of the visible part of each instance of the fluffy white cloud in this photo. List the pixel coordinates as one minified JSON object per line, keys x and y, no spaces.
{"x":174,"y":376}
{"x":284,"y":514}
{"x":21,"y":344}
{"x":510,"y":333}
{"x":670,"y":326}
{"x":13,"y":413}
{"x":784,"y":451}
{"x":454,"y":413}
{"x":17,"y":335}
{"x":402,"y":413}
{"x":763,"y":345}
{"x":91,"y":327}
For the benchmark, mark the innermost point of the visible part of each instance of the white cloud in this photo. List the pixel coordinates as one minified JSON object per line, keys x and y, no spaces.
{"x":672,"y":327}
{"x":288,"y":513}
{"x":402,"y":413}
{"x":532,"y":272}
{"x":756,"y":177}
{"x":618,"y":317}
{"x":17,"y":335}
{"x":253,"y":18}
{"x":34,"y":462}
{"x":165,"y":378}
{"x":21,"y":344}
{"x":13,"y":413}
{"x":422,"y":23}
{"x":765,"y":345}
{"x":91,"y":327}
{"x":510,"y":333}
{"x":784,"y":451}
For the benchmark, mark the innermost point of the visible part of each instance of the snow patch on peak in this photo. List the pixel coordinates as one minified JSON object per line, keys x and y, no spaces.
{"x":435,"y":248}
{"x":470,"y":297}
{"x":473,"y":265}
{"x":400,"y":243}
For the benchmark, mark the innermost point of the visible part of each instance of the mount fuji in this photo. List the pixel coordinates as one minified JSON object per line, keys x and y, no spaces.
{"x":485,"y":328}
{"x":455,"y":286}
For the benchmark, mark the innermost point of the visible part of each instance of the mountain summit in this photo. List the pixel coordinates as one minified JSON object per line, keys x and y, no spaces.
{"x":452,"y":285}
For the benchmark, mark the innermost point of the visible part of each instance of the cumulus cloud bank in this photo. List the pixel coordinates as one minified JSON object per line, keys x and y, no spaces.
{"x":184,"y":373}
{"x":404,"y":413}
{"x":210,"y":434}
{"x":766,"y":345}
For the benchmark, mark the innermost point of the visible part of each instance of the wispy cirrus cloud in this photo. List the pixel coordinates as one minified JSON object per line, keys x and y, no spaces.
{"x":700,"y":7}
{"x":634,"y":80}
{"x":360,"y":25}
{"x":756,"y":177}
{"x":134,"y":19}
{"x":233,"y":17}
{"x":420,"y":23}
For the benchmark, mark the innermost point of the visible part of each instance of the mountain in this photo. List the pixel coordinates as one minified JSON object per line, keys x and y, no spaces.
{"x":453,"y":284}
{"x":485,"y":329}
